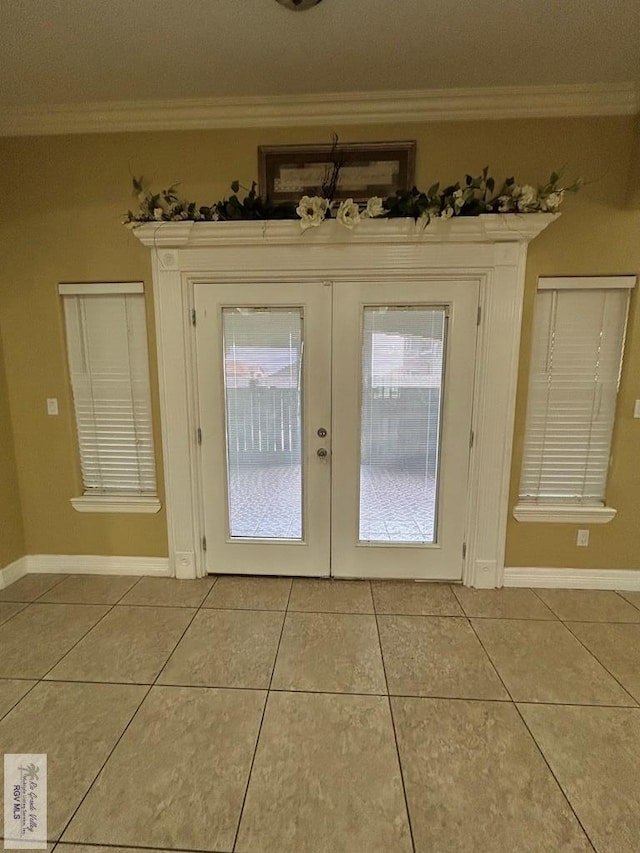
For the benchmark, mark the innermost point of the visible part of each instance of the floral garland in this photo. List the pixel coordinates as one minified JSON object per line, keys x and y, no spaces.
{"x":472,"y":197}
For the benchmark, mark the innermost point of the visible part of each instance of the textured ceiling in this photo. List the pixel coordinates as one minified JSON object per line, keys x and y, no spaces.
{"x":72,"y":51}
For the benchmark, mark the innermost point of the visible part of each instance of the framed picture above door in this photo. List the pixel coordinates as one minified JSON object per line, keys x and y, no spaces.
{"x":287,"y":172}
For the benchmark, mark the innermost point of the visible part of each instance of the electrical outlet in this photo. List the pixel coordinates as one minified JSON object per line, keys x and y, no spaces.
{"x":52,"y":406}
{"x":583,"y":538}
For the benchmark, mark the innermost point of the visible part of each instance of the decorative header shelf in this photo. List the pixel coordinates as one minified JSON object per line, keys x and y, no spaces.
{"x":486,"y":228}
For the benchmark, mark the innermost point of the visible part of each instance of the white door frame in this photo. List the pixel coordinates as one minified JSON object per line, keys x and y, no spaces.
{"x":490,"y":249}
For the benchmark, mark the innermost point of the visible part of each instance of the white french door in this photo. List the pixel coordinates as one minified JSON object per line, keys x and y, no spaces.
{"x":335,"y":422}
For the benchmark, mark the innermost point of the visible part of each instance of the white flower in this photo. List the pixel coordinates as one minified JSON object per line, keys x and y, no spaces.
{"x":311,"y":211}
{"x":348,"y":213}
{"x":447,"y":213}
{"x":554,"y":200}
{"x":374,"y":207}
{"x":527,"y":197}
{"x":458,"y":200}
{"x":158,"y":213}
{"x":505,"y":204}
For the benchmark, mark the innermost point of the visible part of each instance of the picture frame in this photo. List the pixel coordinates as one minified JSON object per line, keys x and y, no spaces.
{"x":287,"y":172}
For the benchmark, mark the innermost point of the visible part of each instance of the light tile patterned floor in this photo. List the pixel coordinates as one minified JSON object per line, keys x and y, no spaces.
{"x":265,"y":715}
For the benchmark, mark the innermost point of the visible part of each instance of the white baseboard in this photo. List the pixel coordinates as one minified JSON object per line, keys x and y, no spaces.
{"x":83,"y":564}
{"x":97,"y":565}
{"x":13,"y":572}
{"x":627,"y":579}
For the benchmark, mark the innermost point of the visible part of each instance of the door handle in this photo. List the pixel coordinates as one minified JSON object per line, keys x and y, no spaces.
{"x":321,"y":452}
{"x":322,"y":432}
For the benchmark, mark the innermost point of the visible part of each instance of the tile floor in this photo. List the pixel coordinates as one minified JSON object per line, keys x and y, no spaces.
{"x":264,"y":715}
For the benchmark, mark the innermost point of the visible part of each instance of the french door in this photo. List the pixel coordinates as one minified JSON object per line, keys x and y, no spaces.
{"x":335,"y":421}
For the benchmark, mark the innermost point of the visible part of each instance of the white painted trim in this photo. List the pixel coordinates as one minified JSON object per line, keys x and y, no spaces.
{"x":563,"y":514}
{"x":625,"y":579}
{"x":116,"y":503}
{"x":100,"y":288}
{"x":13,"y":572}
{"x":490,"y":249}
{"x":487,"y":228}
{"x":421,"y":105}
{"x":586,"y":282}
{"x":97,"y":565}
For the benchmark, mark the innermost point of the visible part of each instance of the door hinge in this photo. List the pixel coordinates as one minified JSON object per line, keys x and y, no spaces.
{"x":472,"y":438}
{"x":478,"y":319}
{"x":193,"y":316}
{"x":199,"y":435}
{"x":464,"y":550}
{"x":204,"y":543}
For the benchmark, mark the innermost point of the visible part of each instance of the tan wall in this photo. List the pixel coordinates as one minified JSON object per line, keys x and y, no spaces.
{"x":65,"y":196}
{"x":11,"y":529}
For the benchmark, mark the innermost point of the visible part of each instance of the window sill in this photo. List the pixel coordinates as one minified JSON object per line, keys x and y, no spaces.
{"x":563,"y":514}
{"x":116,"y":503}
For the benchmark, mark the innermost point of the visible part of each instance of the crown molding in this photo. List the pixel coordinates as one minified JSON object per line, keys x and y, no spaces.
{"x":343,"y":108}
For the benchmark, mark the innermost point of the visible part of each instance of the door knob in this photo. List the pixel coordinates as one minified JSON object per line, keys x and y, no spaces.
{"x":322,"y":432}
{"x":322,"y":452}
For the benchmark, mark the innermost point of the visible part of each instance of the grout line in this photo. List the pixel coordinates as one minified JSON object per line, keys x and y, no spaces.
{"x":461,"y":615}
{"x":17,"y":613}
{"x":97,"y":844}
{"x":264,"y":710}
{"x":490,"y":659}
{"x":557,"y":781}
{"x":43,"y":677}
{"x":540,"y":598}
{"x":447,"y":698}
{"x":179,"y":640}
{"x":513,"y":702}
{"x":63,"y":578}
{"x":621,"y":593}
{"x":395,"y":737}
{"x":133,"y":716}
{"x":101,"y":768}
{"x":24,"y":696}
{"x":598,"y":661}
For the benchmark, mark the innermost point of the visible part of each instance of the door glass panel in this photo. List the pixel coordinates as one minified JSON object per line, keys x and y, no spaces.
{"x":402,"y":382}
{"x":263,"y":408}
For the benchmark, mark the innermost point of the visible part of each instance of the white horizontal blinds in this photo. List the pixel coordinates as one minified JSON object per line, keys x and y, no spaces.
{"x":575,"y":370}
{"x":402,"y":380}
{"x":108,"y":362}
{"x":263,"y":351}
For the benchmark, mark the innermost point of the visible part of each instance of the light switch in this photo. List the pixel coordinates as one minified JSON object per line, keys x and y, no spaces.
{"x":582,"y":539}
{"x":52,"y":406}
{"x":636,"y":409}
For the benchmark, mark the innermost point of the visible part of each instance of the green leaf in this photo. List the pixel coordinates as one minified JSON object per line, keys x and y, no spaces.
{"x":235,"y":186}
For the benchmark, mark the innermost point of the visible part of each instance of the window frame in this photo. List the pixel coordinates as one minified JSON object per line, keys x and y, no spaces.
{"x":564,"y":511}
{"x":93,"y":501}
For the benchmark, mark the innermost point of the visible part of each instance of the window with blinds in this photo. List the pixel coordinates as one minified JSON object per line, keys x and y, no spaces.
{"x":576,"y":360}
{"x":109,"y":370}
